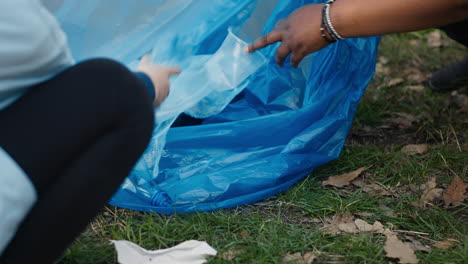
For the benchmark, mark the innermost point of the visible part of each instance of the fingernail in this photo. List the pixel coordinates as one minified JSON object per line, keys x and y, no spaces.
{"x":246,"y":49}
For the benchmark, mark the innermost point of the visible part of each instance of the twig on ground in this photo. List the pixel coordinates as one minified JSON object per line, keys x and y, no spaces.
{"x":446,"y":164}
{"x":456,"y":138}
{"x":411,"y":232}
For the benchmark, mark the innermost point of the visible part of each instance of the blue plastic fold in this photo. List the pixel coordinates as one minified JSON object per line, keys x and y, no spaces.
{"x":259,"y":128}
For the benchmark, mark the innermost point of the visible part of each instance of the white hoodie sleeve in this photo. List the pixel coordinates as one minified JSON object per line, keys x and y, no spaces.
{"x":33,"y":48}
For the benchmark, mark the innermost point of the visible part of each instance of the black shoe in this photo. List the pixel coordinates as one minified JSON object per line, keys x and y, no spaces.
{"x":452,"y":77}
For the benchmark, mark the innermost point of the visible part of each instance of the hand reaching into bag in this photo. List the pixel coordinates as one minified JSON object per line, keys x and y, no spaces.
{"x":311,"y":27}
{"x":299,"y":35}
{"x":159,"y":75}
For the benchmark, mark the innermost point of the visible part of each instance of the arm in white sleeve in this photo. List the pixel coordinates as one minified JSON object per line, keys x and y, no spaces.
{"x":33,"y":48}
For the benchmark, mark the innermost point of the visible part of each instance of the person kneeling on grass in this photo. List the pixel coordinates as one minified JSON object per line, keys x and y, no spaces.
{"x":315,"y":26}
{"x":69,"y":133}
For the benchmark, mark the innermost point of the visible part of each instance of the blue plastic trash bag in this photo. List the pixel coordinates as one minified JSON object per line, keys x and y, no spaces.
{"x":259,"y":128}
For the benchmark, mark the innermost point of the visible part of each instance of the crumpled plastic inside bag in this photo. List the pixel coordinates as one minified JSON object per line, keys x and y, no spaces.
{"x":246,"y":129}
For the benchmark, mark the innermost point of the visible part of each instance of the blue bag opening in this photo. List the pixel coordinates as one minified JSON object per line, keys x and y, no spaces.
{"x":236,"y":128}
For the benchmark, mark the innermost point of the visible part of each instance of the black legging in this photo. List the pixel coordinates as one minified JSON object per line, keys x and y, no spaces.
{"x":458,"y":31}
{"x":77,"y":136}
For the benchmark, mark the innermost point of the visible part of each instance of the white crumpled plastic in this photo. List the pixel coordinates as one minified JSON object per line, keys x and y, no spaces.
{"x":188,"y":252}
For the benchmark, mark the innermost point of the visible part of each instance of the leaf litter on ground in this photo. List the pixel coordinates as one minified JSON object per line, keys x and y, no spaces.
{"x":344,"y":223}
{"x":455,"y":193}
{"x":343,"y":179}
{"x":430,"y":193}
{"x":299,"y":258}
{"x":448,"y":243}
{"x":232,"y":253}
{"x":403,"y":120}
{"x":434,"y":39}
{"x":376,"y":190}
{"x":415,"y":149}
{"x":396,"y":249}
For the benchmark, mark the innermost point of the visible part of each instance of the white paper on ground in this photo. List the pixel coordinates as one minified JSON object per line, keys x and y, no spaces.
{"x":188,"y":252}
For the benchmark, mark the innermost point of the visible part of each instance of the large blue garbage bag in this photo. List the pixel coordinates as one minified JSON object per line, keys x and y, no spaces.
{"x":259,"y":129}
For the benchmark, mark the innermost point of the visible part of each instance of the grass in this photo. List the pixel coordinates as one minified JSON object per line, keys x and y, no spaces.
{"x":291,"y":222}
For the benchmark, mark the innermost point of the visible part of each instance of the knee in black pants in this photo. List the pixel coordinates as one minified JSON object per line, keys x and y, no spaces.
{"x":115,"y":89}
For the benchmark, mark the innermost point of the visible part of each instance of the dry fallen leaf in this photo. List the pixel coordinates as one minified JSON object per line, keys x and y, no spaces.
{"x":404,"y":120}
{"x":363,"y":226}
{"x":349,"y":228}
{"x":395,"y":248}
{"x":430,"y":192}
{"x":340,"y":222}
{"x":445,"y":244}
{"x":309,"y":257}
{"x":358,"y":183}
{"x":395,"y":81}
{"x":415,"y":149}
{"x":416,"y":88}
{"x":344,"y":223}
{"x":455,"y":193}
{"x":298,"y":258}
{"x":434,"y":39}
{"x":344,"y":179}
{"x":414,"y":75}
{"x":375,"y":190}
{"x":365,"y":214}
{"x":232,"y":253}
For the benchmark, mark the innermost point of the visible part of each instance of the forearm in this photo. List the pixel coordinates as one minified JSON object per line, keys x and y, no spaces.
{"x":360,"y":18}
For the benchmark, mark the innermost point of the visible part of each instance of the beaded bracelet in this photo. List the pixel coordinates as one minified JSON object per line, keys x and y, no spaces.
{"x":327,"y":24}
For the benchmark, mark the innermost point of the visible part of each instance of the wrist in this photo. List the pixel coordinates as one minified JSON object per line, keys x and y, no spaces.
{"x":327,"y":22}
{"x":337,"y":19}
{"x":325,"y":35}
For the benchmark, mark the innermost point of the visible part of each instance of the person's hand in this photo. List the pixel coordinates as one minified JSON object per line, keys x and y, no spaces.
{"x":299,"y":34}
{"x":159,"y":75}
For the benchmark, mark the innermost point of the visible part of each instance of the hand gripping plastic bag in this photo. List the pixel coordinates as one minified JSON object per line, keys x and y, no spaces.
{"x":259,"y":128}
